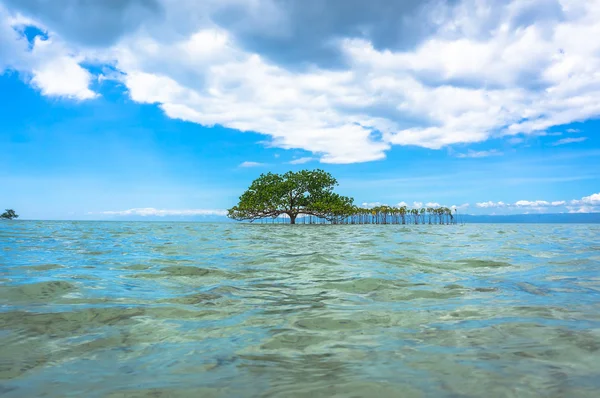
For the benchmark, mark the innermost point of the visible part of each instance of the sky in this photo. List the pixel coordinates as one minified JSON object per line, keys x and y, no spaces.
{"x":161,"y":108}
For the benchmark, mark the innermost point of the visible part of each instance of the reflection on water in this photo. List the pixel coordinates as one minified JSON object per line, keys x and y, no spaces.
{"x":107,"y":309}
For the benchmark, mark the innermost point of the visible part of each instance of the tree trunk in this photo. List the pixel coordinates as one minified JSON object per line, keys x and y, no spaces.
{"x":292,"y":218}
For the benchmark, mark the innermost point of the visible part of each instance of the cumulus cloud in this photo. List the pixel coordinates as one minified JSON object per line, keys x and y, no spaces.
{"x":345,"y":80}
{"x":150,"y":211}
{"x":50,"y":65}
{"x":593,"y":199}
{"x":56,"y":72}
{"x":587,"y":204}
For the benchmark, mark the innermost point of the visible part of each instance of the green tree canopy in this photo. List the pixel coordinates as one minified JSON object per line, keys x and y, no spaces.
{"x":304,"y":192}
{"x":9,"y":214}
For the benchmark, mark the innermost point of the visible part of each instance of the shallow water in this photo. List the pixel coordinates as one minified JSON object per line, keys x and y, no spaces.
{"x":117,"y":309}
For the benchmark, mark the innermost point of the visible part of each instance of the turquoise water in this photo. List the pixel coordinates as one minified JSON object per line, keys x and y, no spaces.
{"x":122,"y":309}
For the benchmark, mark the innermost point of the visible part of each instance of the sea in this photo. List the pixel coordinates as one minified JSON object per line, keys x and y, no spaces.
{"x":175,"y":309}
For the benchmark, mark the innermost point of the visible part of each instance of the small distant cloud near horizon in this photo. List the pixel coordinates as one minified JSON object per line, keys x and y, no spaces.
{"x":479,"y":154}
{"x":566,"y":141}
{"x":302,"y":160}
{"x":150,"y":211}
{"x":490,"y":204}
{"x":251,"y":164}
{"x":587,"y":204}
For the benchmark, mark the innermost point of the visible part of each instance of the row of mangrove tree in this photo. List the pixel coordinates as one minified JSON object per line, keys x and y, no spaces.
{"x":307,"y":197}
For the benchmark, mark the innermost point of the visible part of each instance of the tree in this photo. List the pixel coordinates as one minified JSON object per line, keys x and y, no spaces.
{"x":9,"y":214}
{"x":305,"y":192}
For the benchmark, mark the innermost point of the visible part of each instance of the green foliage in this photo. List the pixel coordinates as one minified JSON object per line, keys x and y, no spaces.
{"x":304,"y":192}
{"x":9,"y":214}
{"x":310,"y":194}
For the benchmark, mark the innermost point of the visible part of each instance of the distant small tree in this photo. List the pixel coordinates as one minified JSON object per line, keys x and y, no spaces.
{"x":9,"y":214}
{"x":305,"y":192}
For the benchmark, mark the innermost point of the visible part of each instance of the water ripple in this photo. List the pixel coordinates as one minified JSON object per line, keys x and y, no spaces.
{"x":108,"y":309}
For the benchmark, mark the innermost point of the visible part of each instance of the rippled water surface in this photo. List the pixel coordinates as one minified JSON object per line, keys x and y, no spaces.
{"x":110,"y":309}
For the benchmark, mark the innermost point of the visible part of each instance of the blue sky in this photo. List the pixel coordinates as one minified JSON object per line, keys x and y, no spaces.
{"x":112,"y":111}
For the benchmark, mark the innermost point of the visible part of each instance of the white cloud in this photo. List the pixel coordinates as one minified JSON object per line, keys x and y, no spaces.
{"x":482,"y":73}
{"x":490,"y":204}
{"x":50,"y":65}
{"x":58,"y":73}
{"x":251,"y":164}
{"x":566,"y":141}
{"x":593,"y":200}
{"x":586,"y":204}
{"x":302,"y":160}
{"x":584,"y":209}
{"x":573,"y":131}
{"x":150,"y":211}
{"x":479,"y":154}
{"x":535,"y":203}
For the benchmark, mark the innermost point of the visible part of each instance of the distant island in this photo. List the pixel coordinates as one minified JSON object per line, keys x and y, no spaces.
{"x":308,"y":195}
{"x":9,"y":214}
